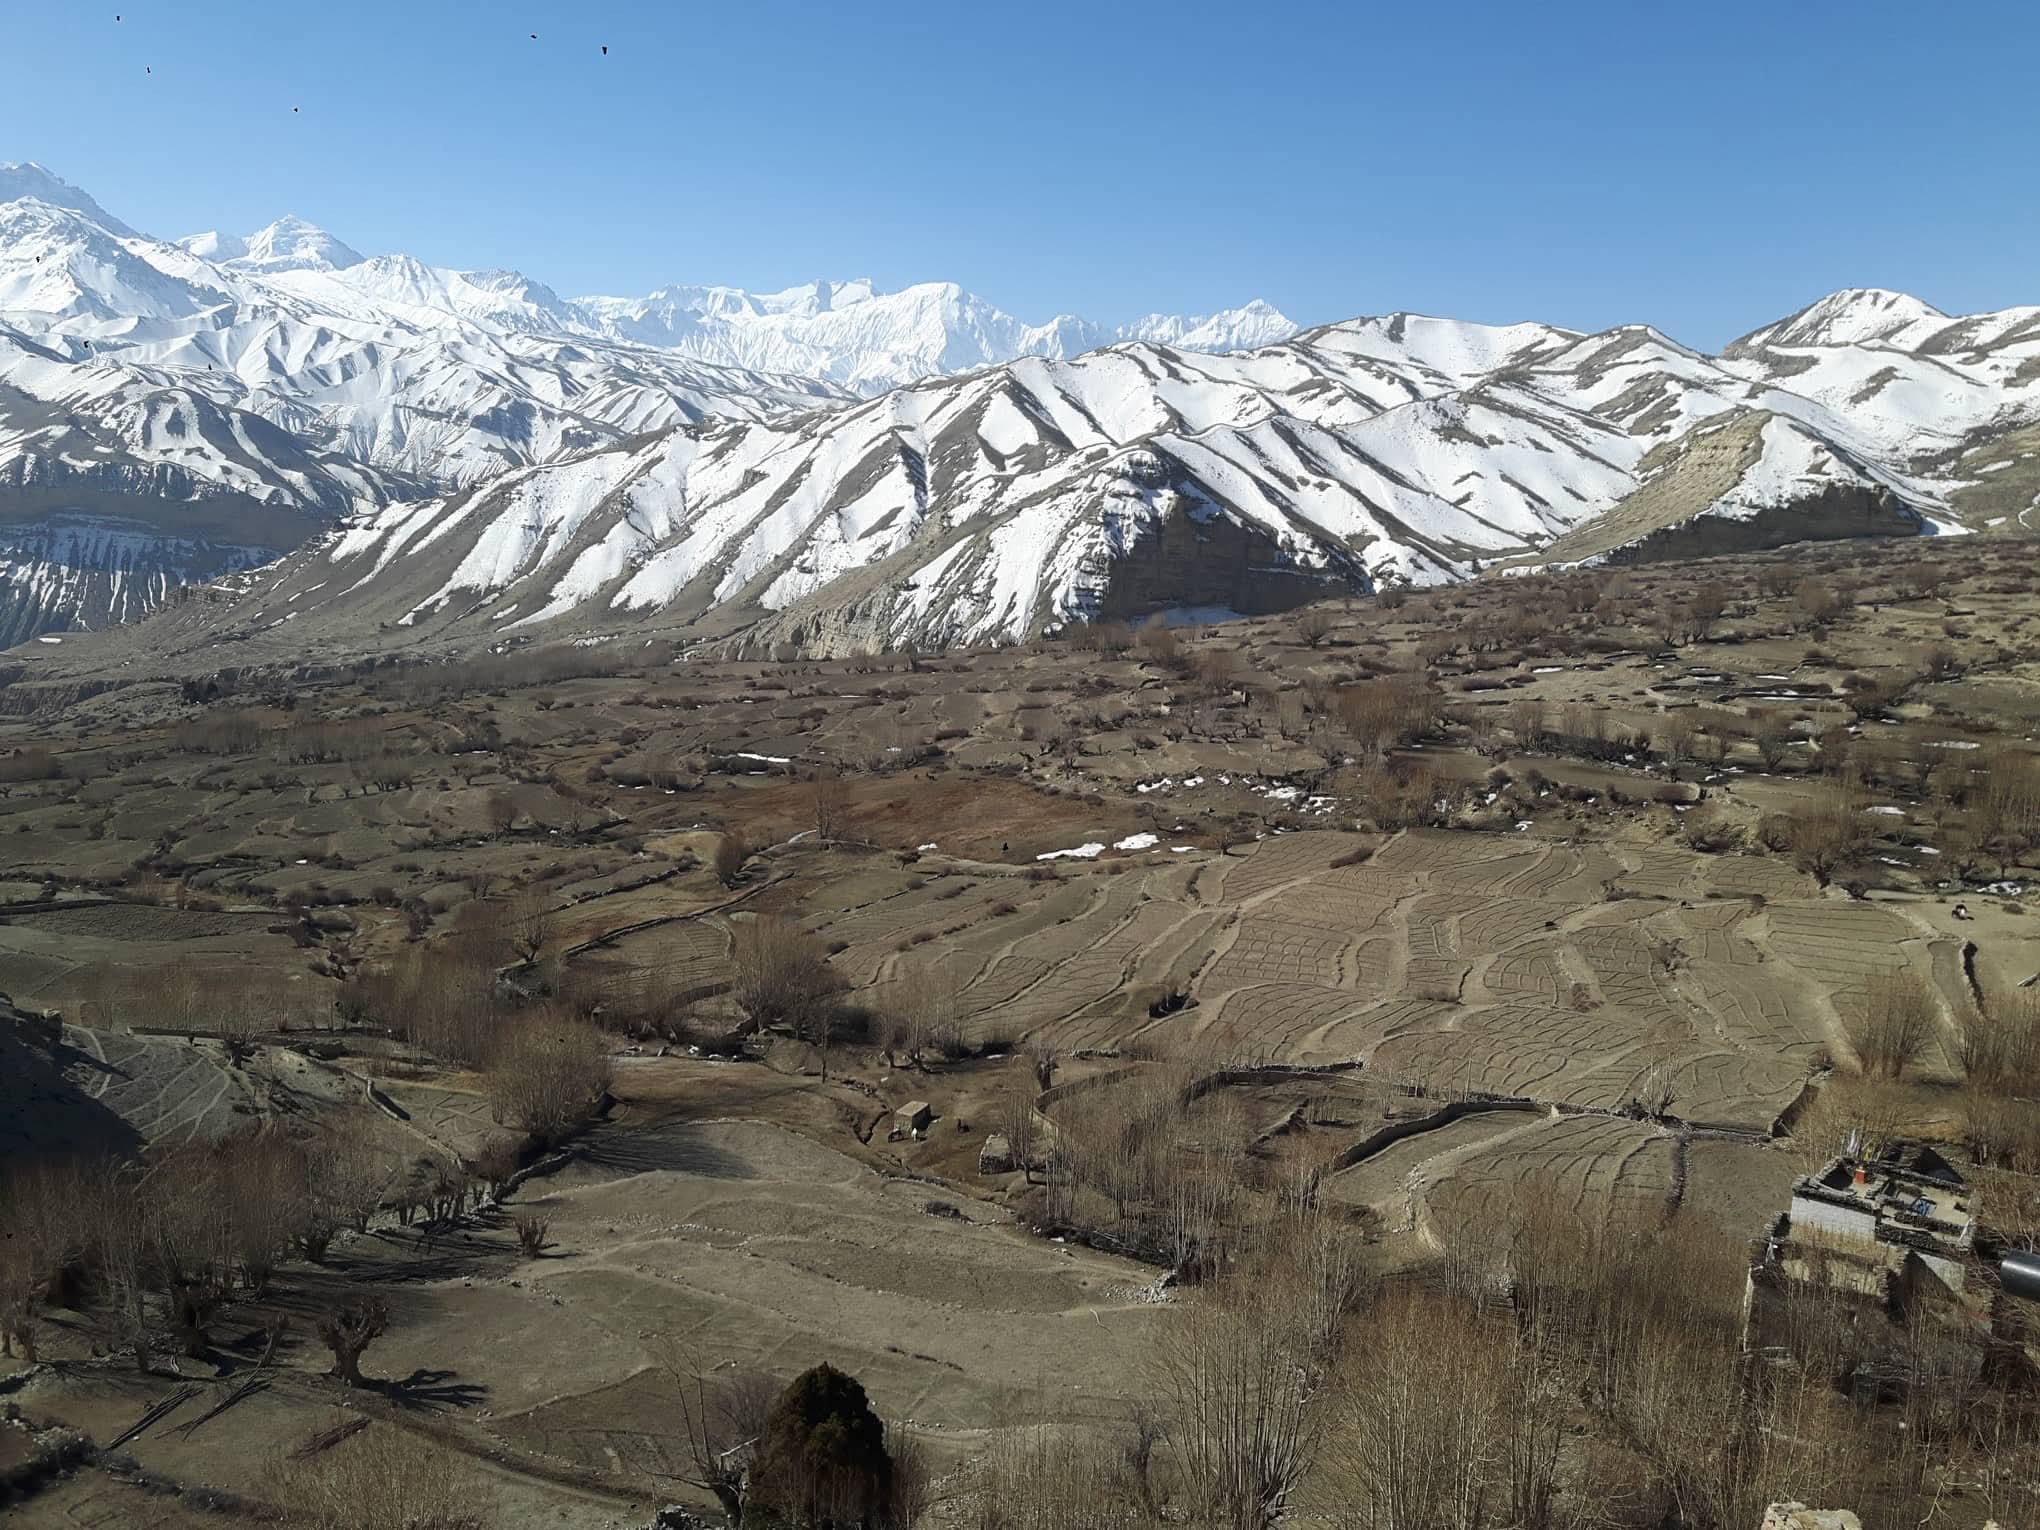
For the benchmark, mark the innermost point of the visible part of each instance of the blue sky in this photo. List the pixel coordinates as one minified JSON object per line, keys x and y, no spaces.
{"x":1704,"y":168}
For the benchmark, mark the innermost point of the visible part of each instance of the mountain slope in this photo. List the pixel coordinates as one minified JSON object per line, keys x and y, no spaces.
{"x":1017,"y":498}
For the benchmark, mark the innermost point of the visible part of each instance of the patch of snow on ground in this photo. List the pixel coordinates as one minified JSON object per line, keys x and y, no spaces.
{"x":1887,"y":811}
{"x":769,"y":759}
{"x":1137,"y":842}
{"x":1082,"y":853}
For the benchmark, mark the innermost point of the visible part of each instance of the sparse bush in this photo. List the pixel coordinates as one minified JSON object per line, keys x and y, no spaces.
{"x":531,"y":1230}
{"x":377,"y":1478}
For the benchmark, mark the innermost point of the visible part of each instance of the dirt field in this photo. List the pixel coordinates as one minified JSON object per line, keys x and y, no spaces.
{"x":1567,"y":881}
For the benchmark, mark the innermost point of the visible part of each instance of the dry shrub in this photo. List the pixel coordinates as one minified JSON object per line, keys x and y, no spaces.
{"x":531,"y":1230}
{"x":1895,"y":1027}
{"x":549,"y":1076}
{"x":379,"y":1478}
{"x":730,"y":854}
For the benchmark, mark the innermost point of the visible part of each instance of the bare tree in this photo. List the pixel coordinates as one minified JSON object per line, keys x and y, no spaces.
{"x":1420,"y":1421}
{"x":922,"y":1007}
{"x":1313,"y":625}
{"x":1895,"y":1026}
{"x":830,"y":799}
{"x":722,"y":1418}
{"x":550,"y":1075}
{"x":1237,"y":1376}
{"x":349,"y":1330}
{"x":1830,"y":836}
{"x":501,"y":811}
{"x":530,"y":924}
{"x":783,"y":976}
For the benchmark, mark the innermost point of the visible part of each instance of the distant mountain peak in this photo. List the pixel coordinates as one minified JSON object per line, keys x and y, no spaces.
{"x":288,"y":244}
{"x":1852,"y":316}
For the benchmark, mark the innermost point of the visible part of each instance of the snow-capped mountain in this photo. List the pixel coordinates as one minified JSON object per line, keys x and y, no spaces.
{"x":288,"y":244}
{"x":870,"y":341}
{"x":724,"y":464}
{"x":1021,"y":497}
{"x":395,"y":375}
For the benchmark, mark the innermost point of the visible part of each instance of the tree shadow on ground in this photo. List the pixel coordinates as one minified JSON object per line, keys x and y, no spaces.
{"x":432,"y":1391}
{"x":674,"y":1146}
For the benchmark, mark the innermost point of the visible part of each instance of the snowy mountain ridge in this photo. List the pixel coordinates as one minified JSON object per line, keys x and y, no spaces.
{"x":1016,"y":499}
{"x":502,"y":459}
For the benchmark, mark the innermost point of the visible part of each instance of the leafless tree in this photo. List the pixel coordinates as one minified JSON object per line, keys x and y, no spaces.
{"x":1419,"y":1423}
{"x":349,"y":1330}
{"x":530,"y":924}
{"x":830,"y":799}
{"x":1313,"y":625}
{"x":1830,"y":836}
{"x":782,"y":975}
{"x":1238,"y":1377}
{"x":922,"y":1007}
{"x":550,"y":1075}
{"x":1896,"y":1024}
{"x":722,"y":1418}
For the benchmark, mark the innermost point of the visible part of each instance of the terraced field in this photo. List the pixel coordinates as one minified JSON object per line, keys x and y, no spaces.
{"x":1496,"y":964}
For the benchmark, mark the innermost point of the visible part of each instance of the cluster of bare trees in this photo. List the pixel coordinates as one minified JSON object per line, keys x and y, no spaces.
{"x":921,"y":1011}
{"x":1556,"y":1371}
{"x":2000,"y":1056}
{"x":1387,"y":713}
{"x":169,"y":1241}
{"x":1142,"y":1165}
